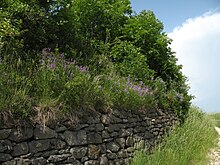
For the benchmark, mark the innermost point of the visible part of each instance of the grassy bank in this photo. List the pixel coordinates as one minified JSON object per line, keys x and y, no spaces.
{"x":216,"y":119}
{"x":188,"y":145}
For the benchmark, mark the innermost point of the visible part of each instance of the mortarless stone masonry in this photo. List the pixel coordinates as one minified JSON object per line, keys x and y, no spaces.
{"x":100,"y":139}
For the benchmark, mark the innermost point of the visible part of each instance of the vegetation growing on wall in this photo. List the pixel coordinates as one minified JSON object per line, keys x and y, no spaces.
{"x":71,"y":54}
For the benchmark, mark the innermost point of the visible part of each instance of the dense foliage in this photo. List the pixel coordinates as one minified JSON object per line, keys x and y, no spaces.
{"x":85,"y":53}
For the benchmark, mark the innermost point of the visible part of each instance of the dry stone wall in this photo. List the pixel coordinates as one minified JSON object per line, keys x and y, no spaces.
{"x":97,"y":139}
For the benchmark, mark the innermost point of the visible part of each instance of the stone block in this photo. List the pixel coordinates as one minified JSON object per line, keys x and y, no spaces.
{"x":93,"y":152}
{"x":105,"y":119}
{"x":5,"y":157}
{"x":112,"y":146}
{"x":94,"y":138}
{"x":44,"y":132}
{"x":40,"y":161}
{"x":20,"y":149}
{"x":103,"y":160}
{"x":78,"y":152}
{"x":58,"y":158}
{"x":129,"y":142}
{"x":4,"y":133}
{"x":121,"y":142}
{"x":105,"y":134}
{"x":5,"y":146}
{"x":46,"y":154}
{"x":122,"y":154}
{"x":57,"y":144}
{"x":91,"y":162}
{"x":21,"y":134}
{"x":99,"y":127}
{"x":39,"y":145}
{"x":75,"y":138}
{"x":112,"y":156}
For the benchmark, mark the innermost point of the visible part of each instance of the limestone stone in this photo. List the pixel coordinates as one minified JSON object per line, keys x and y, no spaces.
{"x":105,"y":119}
{"x":5,"y":146}
{"x":148,"y":135}
{"x":94,"y":138}
{"x":75,"y":138}
{"x":93,"y":152}
{"x":11,"y":162}
{"x":91,"y":128}
{"x":125,"y":120}
{"x":93,"y":120}
{"x":103,"y":160}
{"x":105,"y":134}
{"x":60,"y":129}
{"x":114,"y":134}
{"x":4,"y":133}
{"x":130,"y":149}
{"x":80,"y":126}
{"x":78,"y":152}
{"x":99,"y":127}
{"x":129,"y":142}
{"x":111,"y":156}
{"x":21,"y":161}
{"x":85,"y":158}
{"x":125,"y":132}
{"x":115,"y":119}
{"x":121,"y":142}
{"x":139,"y":129}
{"x":46,"y":154}
{"x":91,"y":162}
{"x":75,"y":162}
{"x":57,"y":158}
{"x":122,"y":154}
{"x":21,"y":134}
{"x":108,"y":140}
{"x":5,"y":157}
{"x":102,"y":148}
{"x":112,"y":146}
{"x":39,"y":145}
{"x":44,"y":132}
{"x":57,"y":144}
{"x":40,"y":161}
{"x":20,"y":149}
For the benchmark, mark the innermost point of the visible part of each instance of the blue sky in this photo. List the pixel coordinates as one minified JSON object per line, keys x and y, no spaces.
{"x":194,"y":26}
{"x":174,"y":12}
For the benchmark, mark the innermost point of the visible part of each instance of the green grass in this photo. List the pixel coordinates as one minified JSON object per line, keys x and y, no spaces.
{"x":216,"y":119}
{"x":187,"y":145}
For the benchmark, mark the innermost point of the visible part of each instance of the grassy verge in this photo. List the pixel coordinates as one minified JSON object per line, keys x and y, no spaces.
{"x":216,"y":119}
{"x":188,"y":145}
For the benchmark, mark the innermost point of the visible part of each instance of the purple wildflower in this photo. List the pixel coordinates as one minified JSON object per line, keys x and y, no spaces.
{"x":82,"y":69}
{"x":53,"y":66}
{"x":62,"y":55}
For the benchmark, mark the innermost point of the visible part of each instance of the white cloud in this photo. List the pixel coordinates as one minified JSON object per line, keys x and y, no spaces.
{"x":197,"y":47}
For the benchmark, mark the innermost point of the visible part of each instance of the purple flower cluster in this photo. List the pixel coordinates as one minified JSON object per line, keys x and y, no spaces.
{"x":53,"y":61}
{"x":141,"y":89}
{"x":81,"y":68}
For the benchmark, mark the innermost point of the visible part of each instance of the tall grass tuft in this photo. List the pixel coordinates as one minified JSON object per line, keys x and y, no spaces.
{"x":216,"y":119}
{"x":187,"y":145}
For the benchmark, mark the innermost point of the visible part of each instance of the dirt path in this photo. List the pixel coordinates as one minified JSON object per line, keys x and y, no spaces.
{"x":215,"y":153}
